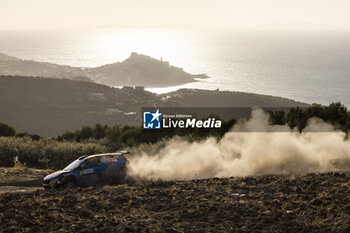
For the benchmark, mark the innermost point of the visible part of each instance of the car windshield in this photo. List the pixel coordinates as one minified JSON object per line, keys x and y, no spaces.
{"x":73,"y":165}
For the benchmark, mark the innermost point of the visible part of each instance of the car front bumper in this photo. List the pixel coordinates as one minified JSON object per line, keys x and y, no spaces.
{"x":51,"y":184}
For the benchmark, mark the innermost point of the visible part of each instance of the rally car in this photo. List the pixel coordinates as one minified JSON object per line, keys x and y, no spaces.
{"x":90,"y":170}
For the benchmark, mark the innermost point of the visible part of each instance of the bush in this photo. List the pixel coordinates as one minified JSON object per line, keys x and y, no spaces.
{"x":44,"y":153}
{"x":335,"y":114}
{"x":6,"y":130}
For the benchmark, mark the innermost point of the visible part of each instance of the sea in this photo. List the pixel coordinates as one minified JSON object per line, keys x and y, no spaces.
{"x":312,"y":67}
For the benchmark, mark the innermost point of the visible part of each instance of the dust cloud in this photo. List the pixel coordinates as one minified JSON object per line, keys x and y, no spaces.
{"x":260,"y":149}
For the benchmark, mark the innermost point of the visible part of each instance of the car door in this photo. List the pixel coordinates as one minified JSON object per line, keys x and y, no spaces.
{"x":89,"y":172}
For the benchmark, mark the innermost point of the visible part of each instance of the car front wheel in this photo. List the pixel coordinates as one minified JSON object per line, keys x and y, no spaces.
{"x":70,"y":185}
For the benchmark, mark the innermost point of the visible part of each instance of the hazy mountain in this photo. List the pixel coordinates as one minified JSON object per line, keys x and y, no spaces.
{"x":4,"y":57}
{"x":137,"y":70}
{"x":141,"y":70}
{"x":15,"y":66}
{"x":49,"y":107}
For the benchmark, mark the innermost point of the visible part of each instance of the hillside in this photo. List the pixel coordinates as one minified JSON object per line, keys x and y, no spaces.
{"x":137,"y":70}
{"x":49,"y":107}
{"x":4,"y":57}
{"x":143,"y":71}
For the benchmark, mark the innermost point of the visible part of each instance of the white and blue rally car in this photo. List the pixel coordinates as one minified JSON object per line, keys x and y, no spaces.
{"x":109,"y":168}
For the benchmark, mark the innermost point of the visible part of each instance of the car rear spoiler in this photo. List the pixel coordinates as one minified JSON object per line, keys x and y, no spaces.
{"x":124,"y":152}
{"x":82,"y":157}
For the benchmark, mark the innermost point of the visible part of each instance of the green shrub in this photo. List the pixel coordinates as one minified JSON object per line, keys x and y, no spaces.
{"x":335,"y":114}
{"x":6,"y":130}
{"x":44,"y":153}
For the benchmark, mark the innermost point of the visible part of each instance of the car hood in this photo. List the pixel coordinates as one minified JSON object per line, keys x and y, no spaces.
{"x":54,"y":175}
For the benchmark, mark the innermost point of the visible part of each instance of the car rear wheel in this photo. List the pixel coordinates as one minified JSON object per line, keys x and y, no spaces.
{"x":120,"y":176}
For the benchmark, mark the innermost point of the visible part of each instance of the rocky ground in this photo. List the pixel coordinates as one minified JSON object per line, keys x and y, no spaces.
{"x":305,"y":203}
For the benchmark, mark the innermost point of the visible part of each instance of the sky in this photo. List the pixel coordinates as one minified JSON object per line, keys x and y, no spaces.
{"x":203,"y":14}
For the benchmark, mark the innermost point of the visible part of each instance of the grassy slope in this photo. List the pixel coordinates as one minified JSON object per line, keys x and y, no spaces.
{"x":50,"y":107}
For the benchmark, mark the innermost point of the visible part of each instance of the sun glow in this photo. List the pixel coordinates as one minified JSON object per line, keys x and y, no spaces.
{"x":157,"y":43}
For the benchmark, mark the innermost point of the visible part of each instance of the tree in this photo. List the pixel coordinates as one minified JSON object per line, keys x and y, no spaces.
{"x":6,"y":130}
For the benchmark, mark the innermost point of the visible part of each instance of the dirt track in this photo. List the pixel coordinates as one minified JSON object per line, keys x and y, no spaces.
{"x":310,"y":203}
{"x":21,"y":179}
{"x":9,"y":189}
